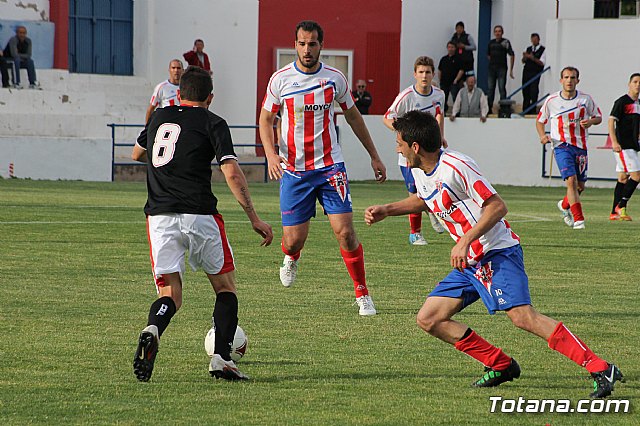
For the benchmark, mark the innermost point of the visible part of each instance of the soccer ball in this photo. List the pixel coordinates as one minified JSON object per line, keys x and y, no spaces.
{"x":238,"y":347}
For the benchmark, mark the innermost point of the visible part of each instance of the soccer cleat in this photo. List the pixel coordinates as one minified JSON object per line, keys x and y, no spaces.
{"x":222,"y":369}
{"x":614,"y":216}
{"x":288,"y":271}
{"x":603,"y":381}
{"x":435,"y":223}
{"x":146,"y":353}
{"x":417,"y":239}
{"x":622,"y":213}
{"x":566,"y":214}
{"x":367,"y":308}
{"x":493,"y":378}
{"x":579,"y":224}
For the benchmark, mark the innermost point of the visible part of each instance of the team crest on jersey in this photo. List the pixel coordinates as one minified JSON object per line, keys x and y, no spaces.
{"x":439,"y":185}
{"x":484,"y":274}
{"x":323,"y":82}
{"x":339,"y":183}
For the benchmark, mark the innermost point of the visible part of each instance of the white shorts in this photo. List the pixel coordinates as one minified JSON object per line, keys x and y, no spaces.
{"x":172,"y":234}
{"x":627,"y":161}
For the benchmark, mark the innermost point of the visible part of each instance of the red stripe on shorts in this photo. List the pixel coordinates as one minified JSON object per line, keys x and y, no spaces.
{"x":158,"y":279}
{"x":228,"y":265}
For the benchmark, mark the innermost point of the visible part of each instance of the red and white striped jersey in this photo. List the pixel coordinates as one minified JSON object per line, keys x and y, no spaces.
{"x":566,"y":114}
{"x":408,"y":100}
{"x":309,"y":134}
{"x":455,"y":191}
{"x":165,"y":94}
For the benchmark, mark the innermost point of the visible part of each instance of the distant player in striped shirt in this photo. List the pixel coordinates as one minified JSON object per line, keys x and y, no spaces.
{"x":570,"y":113}
{"x":421,"y":96}
{"x":487,"y":258}
{"x":167,"y":93}
{"x":310,"y":165}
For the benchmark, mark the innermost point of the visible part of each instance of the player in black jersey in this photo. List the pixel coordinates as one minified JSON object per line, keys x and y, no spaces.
{"x":624,"y":129}
{"x":178,"y":144}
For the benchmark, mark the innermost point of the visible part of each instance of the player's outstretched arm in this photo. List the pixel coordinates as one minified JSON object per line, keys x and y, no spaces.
{"x":411,"y":204}
{"x":274,"y":161}
{"x":237,"y":183}
{"x":493,"y":210}
{"x":354,"y":119}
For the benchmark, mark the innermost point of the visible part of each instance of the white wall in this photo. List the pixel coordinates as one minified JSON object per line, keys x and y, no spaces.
{"x":164,"y":30}
{"x":507,"y":151}
{"x":427,"y":26}
{"x":31,"y":10}
{"x":50,"y":158}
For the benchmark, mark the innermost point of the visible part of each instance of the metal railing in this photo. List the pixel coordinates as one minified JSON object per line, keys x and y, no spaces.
{"x":552,"y":176}
{"x":115,"y":144}
{"x":526,"y":84}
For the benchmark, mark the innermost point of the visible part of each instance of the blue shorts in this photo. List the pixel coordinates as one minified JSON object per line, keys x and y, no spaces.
{"x":498,"y":279}
{"x":572,"y":161}
{"x":409,"y":181}
{"x":299,"y":191}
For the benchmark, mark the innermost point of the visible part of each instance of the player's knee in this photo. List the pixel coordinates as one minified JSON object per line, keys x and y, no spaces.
{"x":427,"y":321}
{"x":522,"y":319}
{"x":346,"y":237}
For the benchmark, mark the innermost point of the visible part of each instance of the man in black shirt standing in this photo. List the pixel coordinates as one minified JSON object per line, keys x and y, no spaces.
{"x":362,"y":97}
{"x":498,"y":49}
{"x":533,"y":59}
{"x":450,"y":74}
{"x":624,"y":124}
{"x":178,"y":144}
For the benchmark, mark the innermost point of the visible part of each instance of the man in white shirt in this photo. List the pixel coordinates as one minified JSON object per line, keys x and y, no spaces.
{"x":167,"y":93}
{"x":471,"y":102}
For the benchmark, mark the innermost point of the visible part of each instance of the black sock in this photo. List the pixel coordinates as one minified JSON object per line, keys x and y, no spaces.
{"x":225,"y":319}
{"x":161,"y":312}
{"x":617,"y":195}
{"x":627,"y":192}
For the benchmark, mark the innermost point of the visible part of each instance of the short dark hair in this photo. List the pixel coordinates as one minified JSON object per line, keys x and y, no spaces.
{"x":460,"y":24}
{"x":421,"y":127}
{"x":195,"y":84}
{"x":310,"y":26}
{"x":198,"y":40}
{"x":424,"y":61}
{"x":535,"y":35}
{"x":635,"y":74}
{"x":451,"y":43}
{"x":498,"y":26}
{"x":570,"y":68}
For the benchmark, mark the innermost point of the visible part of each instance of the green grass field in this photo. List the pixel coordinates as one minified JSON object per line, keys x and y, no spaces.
{"x":74,"y":268}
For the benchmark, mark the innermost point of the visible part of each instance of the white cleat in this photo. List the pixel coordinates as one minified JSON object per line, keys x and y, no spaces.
{"x":367,"y":308}
{"x":435,"y":223}
{"x":579,"y":224}
{"x":417,"y":239}
{"x":288,"y":271}
{"x":566,"y":215}
{"x":221,"y":369}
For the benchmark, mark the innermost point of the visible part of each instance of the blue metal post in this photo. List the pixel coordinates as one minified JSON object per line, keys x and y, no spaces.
{"x":484,"y":36}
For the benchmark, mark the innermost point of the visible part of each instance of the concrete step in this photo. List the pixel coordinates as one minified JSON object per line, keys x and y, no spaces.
{"x":55,"y":125}
{"x":48,"y":101}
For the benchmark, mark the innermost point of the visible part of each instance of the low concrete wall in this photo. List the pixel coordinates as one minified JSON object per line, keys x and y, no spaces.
{"x":507,"y":150}
{"x":56,"y":158}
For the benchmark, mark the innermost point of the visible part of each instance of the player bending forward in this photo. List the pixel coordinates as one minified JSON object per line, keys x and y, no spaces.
{"x":178,"y":144}
{"x":487,"y":258}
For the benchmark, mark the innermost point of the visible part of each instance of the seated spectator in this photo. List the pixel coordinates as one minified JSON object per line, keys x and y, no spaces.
{"x":19,"y":49}
{"x":3,"y":70}
{"x":470,"y":102}
{"x":362,"y":97}
{"x":197,"y":57}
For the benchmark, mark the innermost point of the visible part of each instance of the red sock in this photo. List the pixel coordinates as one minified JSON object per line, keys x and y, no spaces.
{"x":415,"y":221}
{"x":354,"y":260}
{"x":294,"y":254}
{"x":478,"y":348}
{"x":576,"y":211}
{"x":565,"y":342}
{"x":565,"y":203}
